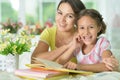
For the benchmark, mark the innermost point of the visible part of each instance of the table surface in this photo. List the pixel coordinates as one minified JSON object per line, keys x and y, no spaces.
{"x":97,"y":76}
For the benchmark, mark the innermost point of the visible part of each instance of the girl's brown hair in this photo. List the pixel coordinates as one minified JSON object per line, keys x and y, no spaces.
{"x":96,"y":16}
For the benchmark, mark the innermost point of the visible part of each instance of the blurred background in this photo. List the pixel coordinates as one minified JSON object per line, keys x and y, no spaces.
{"x":41,"y":13}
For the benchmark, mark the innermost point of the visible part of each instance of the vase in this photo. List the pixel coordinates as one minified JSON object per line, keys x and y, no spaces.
{"x":12,"y":62}
{"x":2,"y":63}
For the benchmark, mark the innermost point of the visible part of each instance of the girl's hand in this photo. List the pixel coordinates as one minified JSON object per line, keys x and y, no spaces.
{"x":111,"y":63}
{"x":79,"y":41}
{"x":76,"y":42}
{"x":70,"y":65}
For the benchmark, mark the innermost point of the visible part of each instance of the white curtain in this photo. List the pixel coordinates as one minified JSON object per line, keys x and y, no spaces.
{"x":110,"y":9}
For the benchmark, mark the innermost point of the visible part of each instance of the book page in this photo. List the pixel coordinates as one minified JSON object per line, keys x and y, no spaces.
{"x":51,"y":65}
{"x":48,"y":63}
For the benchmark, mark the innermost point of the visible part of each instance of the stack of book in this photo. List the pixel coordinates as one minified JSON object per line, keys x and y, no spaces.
{"x":46,"y":69}
{"x":35,"y":73}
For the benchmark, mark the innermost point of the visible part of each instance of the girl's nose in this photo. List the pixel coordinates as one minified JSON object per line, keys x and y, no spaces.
{"x":86,"y":31}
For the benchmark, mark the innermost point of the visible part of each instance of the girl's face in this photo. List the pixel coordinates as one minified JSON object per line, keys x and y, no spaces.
{"x":65,"y":17}
{"x":88,"y":29}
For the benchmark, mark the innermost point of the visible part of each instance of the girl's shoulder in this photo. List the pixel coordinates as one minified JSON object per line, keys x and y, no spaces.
{"x":102,"y":42}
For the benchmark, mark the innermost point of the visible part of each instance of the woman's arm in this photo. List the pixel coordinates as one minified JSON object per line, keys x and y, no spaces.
{"x":99,"y":67}
{"x":110,"y":62}
{"x":66,"y":56}
{"x":76,"y":43}
{"x":41,"y":51}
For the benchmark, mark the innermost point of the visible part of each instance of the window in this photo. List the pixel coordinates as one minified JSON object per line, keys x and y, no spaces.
{"x":9,"y":9}
{"x":39,"y":11}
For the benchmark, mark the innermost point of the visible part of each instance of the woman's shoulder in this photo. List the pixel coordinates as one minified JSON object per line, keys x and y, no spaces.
{"x":48,"y":31}
{"x":51,"y":28}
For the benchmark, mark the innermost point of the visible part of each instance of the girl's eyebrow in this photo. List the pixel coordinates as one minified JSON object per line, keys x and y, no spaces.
{"x":80,"y":25}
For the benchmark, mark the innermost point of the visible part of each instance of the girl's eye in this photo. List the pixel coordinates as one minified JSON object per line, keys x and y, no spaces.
{"x":81,"y":27}
{"x":91,"y":27}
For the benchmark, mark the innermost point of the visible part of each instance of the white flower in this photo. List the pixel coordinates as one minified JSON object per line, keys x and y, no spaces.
{"x":14,"y":44}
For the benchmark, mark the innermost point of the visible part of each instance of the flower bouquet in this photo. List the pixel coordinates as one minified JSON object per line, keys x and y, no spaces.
{"x":34,"y":29}
{"x":12,"y":26}
{"x":14,"y":44}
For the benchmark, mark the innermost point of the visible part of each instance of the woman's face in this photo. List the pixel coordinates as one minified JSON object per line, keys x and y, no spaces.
{"x":88,"y":29}
{"x":65,"y":17}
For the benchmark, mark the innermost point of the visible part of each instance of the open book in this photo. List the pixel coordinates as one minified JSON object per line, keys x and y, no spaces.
{"x":51,"y":65}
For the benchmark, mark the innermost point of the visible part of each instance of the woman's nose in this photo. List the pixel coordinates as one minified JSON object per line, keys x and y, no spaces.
{"x":63,"y":19}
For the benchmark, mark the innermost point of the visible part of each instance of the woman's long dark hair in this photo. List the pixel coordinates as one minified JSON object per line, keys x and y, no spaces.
{"x":76,"y":5}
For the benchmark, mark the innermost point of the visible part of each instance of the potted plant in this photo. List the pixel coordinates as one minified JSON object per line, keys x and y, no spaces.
{"x":14,"y":45}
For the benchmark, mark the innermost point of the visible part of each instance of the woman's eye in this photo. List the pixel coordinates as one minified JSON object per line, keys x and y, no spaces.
{"x":58,"y":12}
{"x":70,"y":16}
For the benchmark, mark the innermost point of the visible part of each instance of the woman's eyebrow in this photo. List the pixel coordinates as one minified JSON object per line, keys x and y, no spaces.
{"x":67,"y":13}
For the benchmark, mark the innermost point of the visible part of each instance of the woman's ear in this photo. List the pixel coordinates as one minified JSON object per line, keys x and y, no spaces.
{"x":99,"y":29}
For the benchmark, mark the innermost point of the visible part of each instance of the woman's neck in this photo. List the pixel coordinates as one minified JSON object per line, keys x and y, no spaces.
{"x":66,"y":33}
{"x":63,"y":38}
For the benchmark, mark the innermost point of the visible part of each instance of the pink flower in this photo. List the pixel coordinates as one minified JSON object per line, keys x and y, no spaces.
{"x":13,"y":26}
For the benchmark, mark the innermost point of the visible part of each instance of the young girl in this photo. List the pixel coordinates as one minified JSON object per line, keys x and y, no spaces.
{"x":90,"y":49}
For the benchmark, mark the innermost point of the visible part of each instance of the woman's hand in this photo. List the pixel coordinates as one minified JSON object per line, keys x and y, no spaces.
{"x":111,"y":63}
{"x":70,"y":65}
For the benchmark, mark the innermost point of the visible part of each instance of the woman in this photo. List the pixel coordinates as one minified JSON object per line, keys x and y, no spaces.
{"x":59,"y":37}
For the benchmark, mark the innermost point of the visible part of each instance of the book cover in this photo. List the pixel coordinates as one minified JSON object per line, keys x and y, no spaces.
{"x":35,"y":73}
